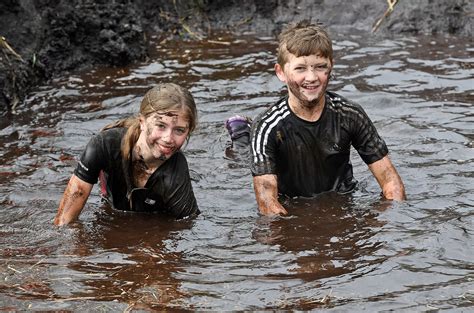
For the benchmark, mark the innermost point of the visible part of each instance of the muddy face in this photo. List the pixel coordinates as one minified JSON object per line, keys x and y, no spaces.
{"x":164,"y":133}
{"x":307,"y":78}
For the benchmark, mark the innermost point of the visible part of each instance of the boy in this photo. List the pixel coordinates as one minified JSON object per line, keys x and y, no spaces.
{"x":301,"y":145}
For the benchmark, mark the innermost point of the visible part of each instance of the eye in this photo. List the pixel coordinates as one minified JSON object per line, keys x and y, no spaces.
{"x":180,"y":131}
{"x":161,"y":126}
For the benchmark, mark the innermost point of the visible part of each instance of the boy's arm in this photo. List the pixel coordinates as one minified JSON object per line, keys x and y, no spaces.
{"x":388,"y":179}
{"x":266,"y":193}
{"x":73,"y":200}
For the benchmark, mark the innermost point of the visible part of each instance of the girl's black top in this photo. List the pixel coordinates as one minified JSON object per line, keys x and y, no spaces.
{"x":168,"y":189}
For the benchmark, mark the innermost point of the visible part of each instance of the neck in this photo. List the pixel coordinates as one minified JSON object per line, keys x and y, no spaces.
{"x":142,"y":155}
{"x":307,"y":111}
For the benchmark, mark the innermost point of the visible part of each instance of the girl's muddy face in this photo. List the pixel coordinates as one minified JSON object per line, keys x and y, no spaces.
{"x":307,"y":78}
{"x":165,"y":132}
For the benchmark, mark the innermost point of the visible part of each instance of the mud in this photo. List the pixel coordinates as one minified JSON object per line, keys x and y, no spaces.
{"x":57,"y":36}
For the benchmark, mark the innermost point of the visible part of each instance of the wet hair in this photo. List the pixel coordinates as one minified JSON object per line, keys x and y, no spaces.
{"x":303,"y":39}
{"x":167,"y":99}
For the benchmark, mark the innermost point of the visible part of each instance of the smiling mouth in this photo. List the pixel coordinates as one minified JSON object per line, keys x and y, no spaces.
{"x":166,"y":149}
{"x":310,"y":87}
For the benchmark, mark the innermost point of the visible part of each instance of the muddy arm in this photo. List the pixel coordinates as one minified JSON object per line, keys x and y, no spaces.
{"x":388,"y":179}
{"x":72,"y":203}
{"x":266,"y":193}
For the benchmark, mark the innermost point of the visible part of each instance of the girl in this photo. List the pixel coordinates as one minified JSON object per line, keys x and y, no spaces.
{"x":138,"y":160}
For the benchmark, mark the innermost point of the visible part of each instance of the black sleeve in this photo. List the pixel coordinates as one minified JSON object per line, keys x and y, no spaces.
{"x":263,"y":148}
{"x":177,"y":189}
{"x":91,"y":161}
{"x":370,"y":146}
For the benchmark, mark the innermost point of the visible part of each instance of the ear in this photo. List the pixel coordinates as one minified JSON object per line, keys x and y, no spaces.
{"x":141,"y":119}
{"x":330,"y":69}
{"x":280,"y":73}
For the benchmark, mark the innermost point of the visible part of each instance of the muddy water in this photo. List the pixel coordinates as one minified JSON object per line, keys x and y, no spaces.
{"x":350,"y":253}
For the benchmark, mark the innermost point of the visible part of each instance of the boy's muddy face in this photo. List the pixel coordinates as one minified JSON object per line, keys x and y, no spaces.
{"x":307,"y":78}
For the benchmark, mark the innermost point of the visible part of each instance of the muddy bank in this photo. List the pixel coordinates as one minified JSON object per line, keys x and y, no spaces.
{"x":52,"y":37}
{"x":424,"y":16}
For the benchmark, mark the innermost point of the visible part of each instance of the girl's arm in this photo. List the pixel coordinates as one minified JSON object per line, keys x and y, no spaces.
{"x":72,"y":203}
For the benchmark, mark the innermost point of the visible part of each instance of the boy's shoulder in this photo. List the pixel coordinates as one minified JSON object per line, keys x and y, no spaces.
{"x":276,"y":111}
{"x":338,"y":102}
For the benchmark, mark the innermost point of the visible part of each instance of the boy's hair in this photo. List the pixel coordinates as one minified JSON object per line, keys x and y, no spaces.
{"x":303,"y":39}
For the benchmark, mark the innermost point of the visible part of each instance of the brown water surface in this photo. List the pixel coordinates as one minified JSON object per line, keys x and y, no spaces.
{"x":341,"y":253}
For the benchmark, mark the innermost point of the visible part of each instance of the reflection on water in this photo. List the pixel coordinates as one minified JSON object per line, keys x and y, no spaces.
{"x":128,"y":258}
{"x":328,"y":235}
{"x":347,"y":253}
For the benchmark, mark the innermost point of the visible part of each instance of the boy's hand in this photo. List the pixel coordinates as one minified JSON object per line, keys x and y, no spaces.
{"x":266,"y":193}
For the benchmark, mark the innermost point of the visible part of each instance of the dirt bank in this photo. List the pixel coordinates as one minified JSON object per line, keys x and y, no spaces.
{"x":55,"y":36}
